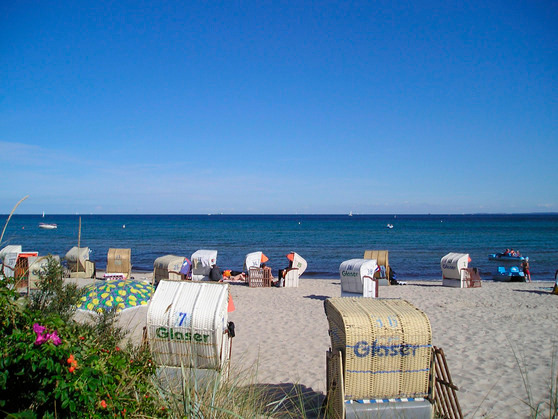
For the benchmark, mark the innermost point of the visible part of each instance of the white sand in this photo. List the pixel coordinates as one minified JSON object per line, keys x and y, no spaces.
{"x":285,"y":333}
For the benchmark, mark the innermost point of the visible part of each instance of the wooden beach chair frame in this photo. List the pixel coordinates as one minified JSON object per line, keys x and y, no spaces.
{"x":259,"y":278}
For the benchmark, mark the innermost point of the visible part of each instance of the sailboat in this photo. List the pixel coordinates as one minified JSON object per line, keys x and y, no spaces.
{"x":350,"y":213}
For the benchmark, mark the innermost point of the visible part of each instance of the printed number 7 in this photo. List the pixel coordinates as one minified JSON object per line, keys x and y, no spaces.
{"x":182,"y":317}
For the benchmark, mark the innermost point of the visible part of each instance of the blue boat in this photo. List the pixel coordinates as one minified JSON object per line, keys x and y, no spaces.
{"x":513,"y":274}
{"x":509,"y":267}
{"x":506,"y":257}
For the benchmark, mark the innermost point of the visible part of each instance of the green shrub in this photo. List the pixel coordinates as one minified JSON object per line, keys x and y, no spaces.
{"x":52,"y":366}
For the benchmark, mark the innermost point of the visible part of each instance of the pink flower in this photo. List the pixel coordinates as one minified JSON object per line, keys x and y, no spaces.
{"x":38,"y":329}
{"x":55,"y":338}
{"x":43,"y":337}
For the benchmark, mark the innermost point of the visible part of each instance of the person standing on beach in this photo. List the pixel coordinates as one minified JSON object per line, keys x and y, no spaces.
{"x":525,"y":268}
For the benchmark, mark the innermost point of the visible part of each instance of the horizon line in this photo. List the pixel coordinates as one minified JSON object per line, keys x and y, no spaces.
{"x":296,"y":214}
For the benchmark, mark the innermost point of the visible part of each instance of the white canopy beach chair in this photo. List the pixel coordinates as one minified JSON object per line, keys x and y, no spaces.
{"x":293,"y":274}
{"x":202,"y":261}
{"x":79,"y":264}
{"x":357,"y":278}
{"x":254,"y":260}
{"x":8,"y":257}
{"x":187,"y":325}
{"x":456,"y":272}
{"x":37,"y":266}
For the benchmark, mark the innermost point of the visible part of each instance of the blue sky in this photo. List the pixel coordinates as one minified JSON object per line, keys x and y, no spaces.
{"x":279,"y":107}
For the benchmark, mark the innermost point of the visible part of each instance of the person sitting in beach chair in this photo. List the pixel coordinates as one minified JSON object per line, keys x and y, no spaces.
{"x":268,"y":276}
{"x":282,"y":273}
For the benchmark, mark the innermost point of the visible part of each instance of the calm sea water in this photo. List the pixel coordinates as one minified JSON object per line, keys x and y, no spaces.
{"x":416,"y":243}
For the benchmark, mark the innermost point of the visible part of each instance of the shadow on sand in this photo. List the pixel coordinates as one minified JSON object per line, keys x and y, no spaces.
{"x":539,"y":292}
{"x":317,"y":297}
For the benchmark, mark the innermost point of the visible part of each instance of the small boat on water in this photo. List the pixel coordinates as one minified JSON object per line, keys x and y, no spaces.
{"x":389,"y":226}
{"x":507,"y":257}
{"x":47,"y":226}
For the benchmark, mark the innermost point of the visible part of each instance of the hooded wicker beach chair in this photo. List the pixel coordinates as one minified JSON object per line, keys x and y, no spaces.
{"x":382,"y":260}
{"x":119,"y":264}
{"x":169,"y":267}
{"x":382,"y":362}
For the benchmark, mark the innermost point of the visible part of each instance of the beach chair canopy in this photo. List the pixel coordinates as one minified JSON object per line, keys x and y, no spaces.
{"x":202,"y":261}
{"x":37,"y":265}
{"x":352,"y":273}
{"x":382,"y":260}
{"x":453,"y":263}
{"x":187,"y":324}
{"x":76,"y":258}
{"x":8,"y":257}
{"x":298,"y":262}
{"x":168,"y":267}
{"x":381,"y":256}
{"x":254,"y":260}
{"x":119,"y":261}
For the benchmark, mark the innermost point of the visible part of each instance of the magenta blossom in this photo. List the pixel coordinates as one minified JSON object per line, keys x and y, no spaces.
{"x":55,"y":338}
{"x":43,"y":336}
{"x":38,"y":329}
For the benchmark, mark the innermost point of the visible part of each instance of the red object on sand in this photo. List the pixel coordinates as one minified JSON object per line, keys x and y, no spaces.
{"x":231,"y":307}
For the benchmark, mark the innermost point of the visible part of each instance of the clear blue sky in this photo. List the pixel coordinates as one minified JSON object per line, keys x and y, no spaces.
{"x":279,"y":107}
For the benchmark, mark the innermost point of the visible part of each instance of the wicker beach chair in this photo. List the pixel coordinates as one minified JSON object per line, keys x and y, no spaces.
{"x":380,"y":350}
{"x":119,"y":262}
{"x":382,"y":260}
{"x":259,"y":277}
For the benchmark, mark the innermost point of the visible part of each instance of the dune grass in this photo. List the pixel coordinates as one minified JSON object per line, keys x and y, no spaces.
{"x":546,"y":405}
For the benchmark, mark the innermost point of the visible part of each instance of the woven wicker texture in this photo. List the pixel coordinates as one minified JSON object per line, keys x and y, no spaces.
{"x":168,"y":267}
{"x":186,"y":324}
{"x":335,"y":395}
{"x":257,"y":278}
{"x":119,"y":261}
{"x":386,"y":345}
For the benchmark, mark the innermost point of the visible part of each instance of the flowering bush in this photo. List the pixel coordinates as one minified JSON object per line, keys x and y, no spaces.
{"x":53,"y":366}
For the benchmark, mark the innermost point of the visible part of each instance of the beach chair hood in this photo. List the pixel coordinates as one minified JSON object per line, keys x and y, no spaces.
{"x":452,"y":263}
{"x":8,"y":257}
{"x":187,"y":325}
{"x":168,"y":267}
{"x":299,"y":263}
{"x":253,"y":260}
{"x":202,"y":260}
{"x":352,"y":272}
{"x":77,"y":257}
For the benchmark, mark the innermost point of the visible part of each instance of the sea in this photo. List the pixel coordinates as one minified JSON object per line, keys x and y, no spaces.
{"x":416,"y":243}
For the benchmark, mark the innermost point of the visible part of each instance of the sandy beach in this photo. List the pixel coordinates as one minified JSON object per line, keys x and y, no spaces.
{"x":483,"y":332}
